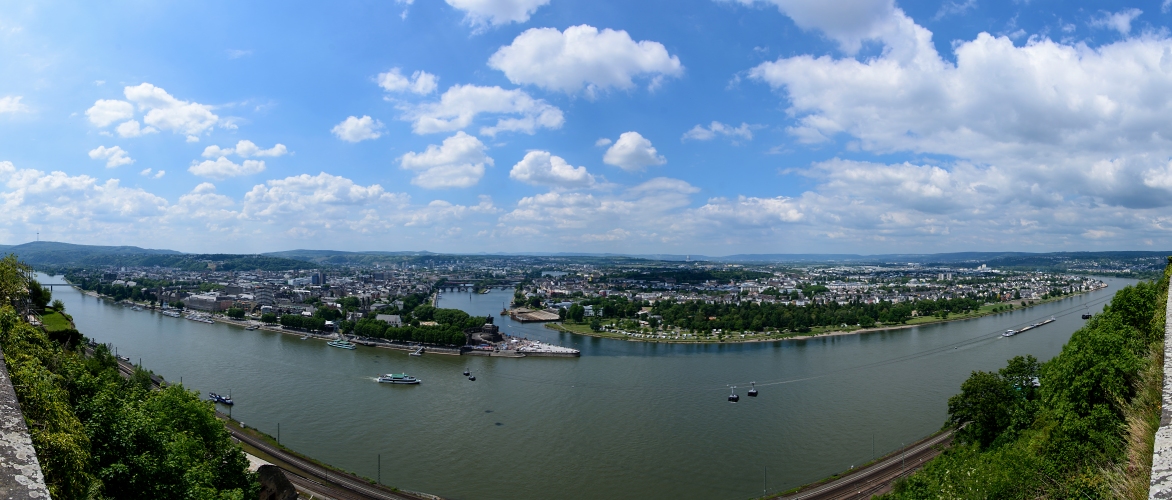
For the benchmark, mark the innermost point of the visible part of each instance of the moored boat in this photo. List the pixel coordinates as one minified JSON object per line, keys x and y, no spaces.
{"x":224,"y":400}
{"x":342,"y":344}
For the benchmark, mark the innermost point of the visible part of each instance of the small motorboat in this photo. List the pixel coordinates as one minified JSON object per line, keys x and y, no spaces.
{"x":224,"y":400}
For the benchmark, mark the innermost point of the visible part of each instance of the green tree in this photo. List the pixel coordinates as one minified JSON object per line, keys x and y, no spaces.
{"x":350,"y":303}
{"x":983,"y":404}
{"x":269,"y":318}
{"x":576,"y":312}
{"x":595,"y":324}
{"x":14,"y":279}
{"x":58,"y":306}
{"x":235,"y":312}
{"x":40,"y":296}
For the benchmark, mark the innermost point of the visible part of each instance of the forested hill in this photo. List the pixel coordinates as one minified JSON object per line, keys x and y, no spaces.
{"x":48,"y":255}
{"x":51,"y":252}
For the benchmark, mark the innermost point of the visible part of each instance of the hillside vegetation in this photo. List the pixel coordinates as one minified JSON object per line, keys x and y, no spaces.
{"x":1084,"y":429}
{"x":99,"y":435}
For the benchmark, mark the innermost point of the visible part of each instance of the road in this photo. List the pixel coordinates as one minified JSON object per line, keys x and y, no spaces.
{"x":877,"y":478}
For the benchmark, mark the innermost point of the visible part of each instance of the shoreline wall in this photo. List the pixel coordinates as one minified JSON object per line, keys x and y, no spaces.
{"x":20,"y":472}
{"x":1161,"y":479}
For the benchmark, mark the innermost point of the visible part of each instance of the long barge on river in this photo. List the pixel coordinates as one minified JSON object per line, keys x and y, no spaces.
{"x":1010,"y":333}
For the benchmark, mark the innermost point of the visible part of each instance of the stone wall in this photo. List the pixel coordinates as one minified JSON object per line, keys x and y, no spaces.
{"x":1161,"y":486}
{"x":20,"y":473}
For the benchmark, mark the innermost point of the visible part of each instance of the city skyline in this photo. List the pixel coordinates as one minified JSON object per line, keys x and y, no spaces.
{"x":700,"y":127}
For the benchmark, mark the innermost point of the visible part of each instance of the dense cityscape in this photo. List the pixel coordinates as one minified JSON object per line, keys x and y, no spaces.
{"x":632,"y":299}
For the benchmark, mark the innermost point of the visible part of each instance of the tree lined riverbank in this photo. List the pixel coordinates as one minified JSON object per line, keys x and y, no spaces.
{"x":677,"y":336}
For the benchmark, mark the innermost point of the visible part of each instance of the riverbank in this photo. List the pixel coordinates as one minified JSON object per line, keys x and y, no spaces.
{"x":536,"y":350}
{"x":673,"y":337}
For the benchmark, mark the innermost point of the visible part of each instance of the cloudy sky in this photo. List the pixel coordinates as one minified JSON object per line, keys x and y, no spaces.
{"x":661,"y":126}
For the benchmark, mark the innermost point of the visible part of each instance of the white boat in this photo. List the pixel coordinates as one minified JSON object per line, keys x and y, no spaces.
{"x":418,"y":352}
{"x":1009,"y":333}
{"x":342,"y":344}
{"x":398,"y":378}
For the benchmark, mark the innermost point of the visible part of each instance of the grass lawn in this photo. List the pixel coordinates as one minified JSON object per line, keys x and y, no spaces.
{"x":55,"y":322}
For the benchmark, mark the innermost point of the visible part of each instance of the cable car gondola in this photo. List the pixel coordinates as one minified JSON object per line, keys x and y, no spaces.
{"x":466,"y":373}
{"x":472,"y":378}
{"x":733,"y":398}
{"x":753,"y":391}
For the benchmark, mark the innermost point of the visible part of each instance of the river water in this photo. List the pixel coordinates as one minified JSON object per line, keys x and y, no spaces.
{"x":625,"y":420}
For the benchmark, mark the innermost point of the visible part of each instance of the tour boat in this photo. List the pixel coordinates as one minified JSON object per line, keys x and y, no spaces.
{"x":398,"y":378}
{"x":341,"y":344}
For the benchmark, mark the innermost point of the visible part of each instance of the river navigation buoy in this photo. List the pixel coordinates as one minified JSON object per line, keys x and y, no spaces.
{"x":733,"y":398}
{"x":753,"y":391}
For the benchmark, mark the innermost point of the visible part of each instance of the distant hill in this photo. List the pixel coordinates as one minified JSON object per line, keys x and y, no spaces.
{"x":51,"y":254}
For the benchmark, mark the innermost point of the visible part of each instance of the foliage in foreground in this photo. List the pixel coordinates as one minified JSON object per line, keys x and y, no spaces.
{"x":1083,"y":432}
{"x":98,"y":435}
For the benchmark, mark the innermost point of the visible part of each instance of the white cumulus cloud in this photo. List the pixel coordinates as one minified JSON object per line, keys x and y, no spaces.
{"x":223,"y":168}
{"x":131,"y":128}
{"x":702,"y":133}
{"x":246,"y":148}
{"x":461,"y":104}
{"x":849,"y":22}
{"x":420,"y":82}
{"x":496,"y":12}
{"x":632,"y":152}
{"x":457,"y":163}
{"x":354,"y":129}
{"x":162,"y":111}
{"x":1118,"y":21}
{"x":583,"y":59}
{"x":541,"y":168}
{"x":107,"y":111}
{"x":114,"y":156}
{"x":165,"y":112}
{"x":1088,"y":121}
{"x":12,"y":104}
{"x":76,"y":204}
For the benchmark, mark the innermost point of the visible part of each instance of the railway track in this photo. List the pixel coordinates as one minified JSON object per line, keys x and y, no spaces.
{"x":354,"y":487}
{"x":877,"y":478}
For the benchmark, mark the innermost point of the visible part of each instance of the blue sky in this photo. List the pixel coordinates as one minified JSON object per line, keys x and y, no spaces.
{"x":706,"y":127}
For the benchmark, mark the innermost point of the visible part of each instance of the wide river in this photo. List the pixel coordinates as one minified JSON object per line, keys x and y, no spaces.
{"x":626,"y":420}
